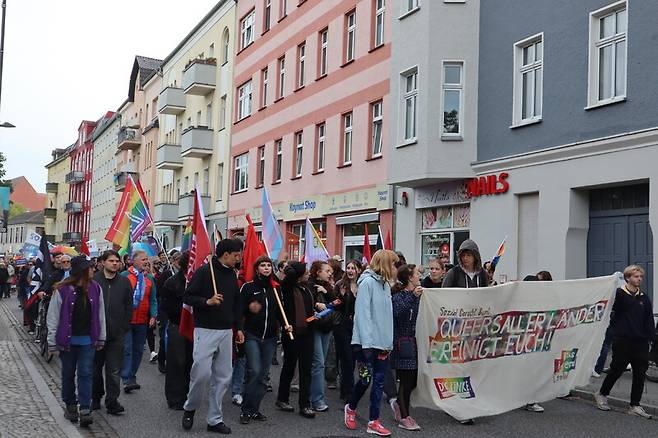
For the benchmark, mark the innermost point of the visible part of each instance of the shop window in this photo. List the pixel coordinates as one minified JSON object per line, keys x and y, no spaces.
{"x":443,"y":230}
{"x":296,"y":238}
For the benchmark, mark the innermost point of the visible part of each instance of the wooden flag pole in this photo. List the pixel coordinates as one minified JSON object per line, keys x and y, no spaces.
{"x":283,"y":313}
{"x":212,"y":274}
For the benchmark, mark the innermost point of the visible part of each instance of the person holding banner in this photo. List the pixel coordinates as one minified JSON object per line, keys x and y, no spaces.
{"x":633,"y":332}
{"x":437,"y":273}
{"x":372,"y":337}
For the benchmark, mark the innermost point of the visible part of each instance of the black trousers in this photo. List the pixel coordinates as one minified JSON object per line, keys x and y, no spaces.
{"x":163,"y":323}
{"x":624,"y":352}
{"x":408,"y":379}
{"x":111,"y":359}
{"x":179,"y":364}
{"x":297,"y":352}
{"x":343,"y":340}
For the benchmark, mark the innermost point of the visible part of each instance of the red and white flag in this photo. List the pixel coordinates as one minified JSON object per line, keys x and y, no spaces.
{"x":200,"y":249}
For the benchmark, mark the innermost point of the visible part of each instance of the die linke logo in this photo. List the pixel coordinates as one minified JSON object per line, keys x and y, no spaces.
{"x":564,"y":364}
{"x":454,"y":386}
{"x":488,"y":185}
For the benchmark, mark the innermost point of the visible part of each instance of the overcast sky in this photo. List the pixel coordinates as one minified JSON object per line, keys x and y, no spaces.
{"x":70,"y":60}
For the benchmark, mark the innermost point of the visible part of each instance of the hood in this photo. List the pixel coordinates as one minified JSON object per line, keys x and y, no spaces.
{"x":369,"y":273}
{"x":470,"y":245}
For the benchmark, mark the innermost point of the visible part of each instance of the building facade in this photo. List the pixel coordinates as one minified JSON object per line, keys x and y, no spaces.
{"x":311,"y":119}
{"x":24,"y":194}
{"x":434,"y":75}
{"x":567,"y":137}
{"x":18,"y":228}
{"x":103,"y":195}
{"x":57,"y":190}
{"x":195,"y":106}
{"x":79,"y":178}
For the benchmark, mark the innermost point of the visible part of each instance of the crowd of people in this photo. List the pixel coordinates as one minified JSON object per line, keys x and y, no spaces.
{"x":345,"y":325}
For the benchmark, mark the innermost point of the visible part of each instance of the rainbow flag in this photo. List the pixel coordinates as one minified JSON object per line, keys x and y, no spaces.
{"x":187,"y":236}
{"x":132,"y":218}
{"x":499,"y":254}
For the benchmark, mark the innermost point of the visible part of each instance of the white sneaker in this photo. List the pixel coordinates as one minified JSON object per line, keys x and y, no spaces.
{"x":595,"y":374}
{"x":153,"y":357}
{"x":237,"y":400}
{"x":601,"y":401}
{"x":639,"y":411}
{"x":534,"y":407}
{"x":629,"y":367}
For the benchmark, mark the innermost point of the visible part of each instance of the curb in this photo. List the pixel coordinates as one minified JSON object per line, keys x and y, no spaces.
{"x":615,"y":402}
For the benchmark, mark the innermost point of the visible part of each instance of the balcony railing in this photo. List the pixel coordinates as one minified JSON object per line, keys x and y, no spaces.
{"x":196,"y":142}
{"x":50,"y":213}
{"x":121,"y":178}
{"x":186,"y":205}
{"x":75,"y":177}
{"x":51,"y":187}
{"x":171,"y":101}
{"x":199,"y":77}
{"x":129,"y":139}
{"x":73,"y":207}
{"x":72,"y":236}
{"x":166,"y":213}
{"x":169,"y":157}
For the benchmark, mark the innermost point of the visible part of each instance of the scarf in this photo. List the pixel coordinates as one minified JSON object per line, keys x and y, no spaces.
{"x":138,"y":293}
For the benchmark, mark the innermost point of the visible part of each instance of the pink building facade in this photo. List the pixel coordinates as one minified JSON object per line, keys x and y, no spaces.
{"x":310,"y":119}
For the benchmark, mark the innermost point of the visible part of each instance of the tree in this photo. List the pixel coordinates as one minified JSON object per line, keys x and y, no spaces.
{"x":15,"y":209}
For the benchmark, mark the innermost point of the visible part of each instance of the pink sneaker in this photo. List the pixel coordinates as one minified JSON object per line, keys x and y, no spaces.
{"x":375,"y":427}
{"x":396,"y":409}
{"x":408,"y":424}
{"x":350,"y":418}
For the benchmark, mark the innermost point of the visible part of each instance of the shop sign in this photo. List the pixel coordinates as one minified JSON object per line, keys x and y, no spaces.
{"x":488,"y":185}
{"x":441,"y":195}
{"x":310,"y":206}
{"x":378,"y":198}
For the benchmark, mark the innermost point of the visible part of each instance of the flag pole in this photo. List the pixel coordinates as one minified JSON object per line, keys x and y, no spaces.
{"x":278,"y":300}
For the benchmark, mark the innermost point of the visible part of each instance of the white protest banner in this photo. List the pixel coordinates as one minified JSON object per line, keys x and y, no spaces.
{"x":491,"y":350}
{"x":93,"y":248}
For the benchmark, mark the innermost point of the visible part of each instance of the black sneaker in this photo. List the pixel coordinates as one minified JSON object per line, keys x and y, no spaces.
{"x":284,"y":406}
{"x":95,"y":405}
{"x":219,"y":428}
{"x":130,"y":387}
{"x":307,"y":413}
{"x":245,"y":418}
{"x":258,"y":417}
{"x":188,"y":419}
{"x":114,"y":408}
{"x":71,"y":413}
{"x":85,"y":418}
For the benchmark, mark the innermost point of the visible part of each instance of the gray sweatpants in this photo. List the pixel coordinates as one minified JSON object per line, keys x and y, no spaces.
{"x":213,"y":354}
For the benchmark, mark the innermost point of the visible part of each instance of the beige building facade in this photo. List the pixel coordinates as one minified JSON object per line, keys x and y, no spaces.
{"x":58,"y":195}
{"x":103,"y":195}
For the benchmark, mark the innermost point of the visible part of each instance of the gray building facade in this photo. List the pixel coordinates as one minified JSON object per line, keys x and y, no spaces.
{"x":567,"y":136}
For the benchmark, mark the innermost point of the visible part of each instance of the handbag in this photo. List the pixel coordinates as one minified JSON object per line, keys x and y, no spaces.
{"x":407,"y":347}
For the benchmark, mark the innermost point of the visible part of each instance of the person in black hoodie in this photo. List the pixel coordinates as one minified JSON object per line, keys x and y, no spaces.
{"x":298,"y":304}
{"x":179,"y":349}
{"x":215,"y":298}
{"x":633,"y":332}
{"x":262,"y":319}
{"x":118,"y":298}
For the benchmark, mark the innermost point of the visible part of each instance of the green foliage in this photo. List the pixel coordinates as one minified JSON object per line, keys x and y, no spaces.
{"x":15,"y":209}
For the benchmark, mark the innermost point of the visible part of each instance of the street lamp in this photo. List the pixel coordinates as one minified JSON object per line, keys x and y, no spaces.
{"x":2,"y":56}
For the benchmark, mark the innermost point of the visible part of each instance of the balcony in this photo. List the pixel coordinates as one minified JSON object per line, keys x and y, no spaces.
{"x":196,"y":142}
{"x":129,"y":139}
{"x":51,"y":188}
{"x":186,"y":205}
{"x":73,"y":207}
{"x":199,"y":77}
{"x":165,"y":213}
{"x":171,"y":101}
{"x":75,"y":177}
{"x":121,"y":178}
{"x":72,"y":236}
{"x":169,"y":157}
{"x":50,"y":213}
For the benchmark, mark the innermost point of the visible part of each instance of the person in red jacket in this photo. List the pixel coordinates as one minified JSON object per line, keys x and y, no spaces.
{"x":145,"y":309}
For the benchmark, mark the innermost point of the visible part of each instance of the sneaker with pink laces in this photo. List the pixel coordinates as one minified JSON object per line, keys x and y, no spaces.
{"x":395,"y":407}
{"x":408,"y":424}
{"x":375,"y":427}
{"x":350,"y":418}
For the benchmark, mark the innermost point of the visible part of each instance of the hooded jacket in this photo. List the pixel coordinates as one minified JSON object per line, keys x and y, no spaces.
{"x":457,"y":276}
{"x":291,"y":289}
{"x":118,"y":300}
{"x":373,"y":313}
{"x":171,"y":297}
{"x":265,"y":323}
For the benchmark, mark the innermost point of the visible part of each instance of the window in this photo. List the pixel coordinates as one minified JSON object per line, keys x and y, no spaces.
{"x":301,"y":64}
{"x":220,"y":181}
{"x":198,"y":119}
{"x":206,"y":181}
{"x":244,"y":100}
{"x":282,"y":76}
{"x":453,"y":78}
{"x":377,"y":111}
{"x":241,"y":172}
{"x":528,"y":80}
{"x":410,"y":5}
{"x":283,"y":8}
{"x":278,"y":160}
{"x":608,"y":34}
{"x":264,"y":83}
{"x":347,"y":138}
{"x":225,"y":38}
{"x":299,"y":149}
{"x":186,"y":185}
{"x":209,"y":116}
{"x":247,"y":29}
{"x":211,"y":51}
{"x":350,"y":36}
{"x":260,"y":177}
{"x":410,"y":83}
{"x":380,"y":9}
{"x":222,"y":112}
{"x":324,"y":45}
{"x":196,"y":180}
{"x":321,"y":131}
{"x":267,"y":15}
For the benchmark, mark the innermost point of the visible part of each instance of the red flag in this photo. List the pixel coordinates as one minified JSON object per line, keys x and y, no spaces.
{"x":388,"y":243}
{"x":366,"y":246}
{"x":200,"y":249}
{"x":84,"y":249}
{"x":253,"y":249}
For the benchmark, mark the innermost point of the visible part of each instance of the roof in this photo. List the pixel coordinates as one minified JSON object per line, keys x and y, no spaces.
{"x":24,"y":194}
{"x":144,"y":66}
{"x":103,"y":124}
{"x":30,"y":217}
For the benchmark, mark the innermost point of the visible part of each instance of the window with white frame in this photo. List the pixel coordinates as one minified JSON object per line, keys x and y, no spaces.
{"x":528,"y":79}
{"x":299,"y":149}
{"x":278,"y":160}
{"x":244,"y":100}
{"x":380,"y":9}
{"x":410,"y":5}
{"x":222,"y":112}
{"x":608,"y":36}
{"x":410,"y":87}
{"x":283,"y":8}
{"x":453,"y":80}
{"x":324,"y":46}
{"x":264,"y":86}
{"x":241,"y":172}
{"x":377,"y":111}
{"x":282,"y":76}
{"x":247,"y":29}
{"x":261,"y":166}
{"x":347,"y":138}
{"x":321,"y":132}
{"x":350,"y":36}
{"x":209,"y":116}
{"x":267,"y":15}
{"x":225,"y":48}
{"x":220,"y":181}
{"x":301,"y":65}
{"x":206,"y":181}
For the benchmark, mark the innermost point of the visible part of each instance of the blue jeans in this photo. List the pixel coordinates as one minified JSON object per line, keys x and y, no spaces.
{"x":237,"y":381}
{"x":320,"y":347}
{"x":133,"y":347}
{"x":607,"y":342}
{"x":79,"y":360}
{"x":259,"y":354}
{"x":372,"y":365}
